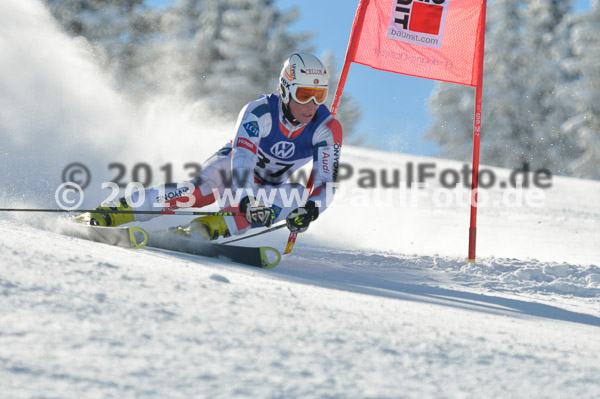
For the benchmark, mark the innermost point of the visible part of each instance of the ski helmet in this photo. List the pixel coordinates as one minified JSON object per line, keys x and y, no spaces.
{"x":303,"y":78}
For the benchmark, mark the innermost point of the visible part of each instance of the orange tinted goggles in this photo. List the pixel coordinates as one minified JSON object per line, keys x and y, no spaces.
{"x":305,"y":94}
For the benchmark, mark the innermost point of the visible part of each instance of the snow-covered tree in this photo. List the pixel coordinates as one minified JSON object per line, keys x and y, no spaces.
{"x":502,"y":97}
{"x":114,"y":28}
{"x":182,"y":52}
{"x":546,"y":34}
{"x":97,"y":20}
{"x":584,"y":92}
{"x":223,"y":52}
{"x":452,"y":106}
{"x":522,"y":113}
{"x":235,"y":48}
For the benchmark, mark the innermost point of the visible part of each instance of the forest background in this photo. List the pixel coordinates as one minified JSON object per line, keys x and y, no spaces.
{"x":541,"y":75}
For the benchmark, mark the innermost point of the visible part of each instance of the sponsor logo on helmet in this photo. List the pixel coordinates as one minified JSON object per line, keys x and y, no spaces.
{"x":283,"y":149}
{"x":288,"y":73}
{"x":313,"y":71}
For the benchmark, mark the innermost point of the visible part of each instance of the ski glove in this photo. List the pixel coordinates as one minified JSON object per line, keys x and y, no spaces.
{"x":256,"y":212}
{"x":299,"y":219}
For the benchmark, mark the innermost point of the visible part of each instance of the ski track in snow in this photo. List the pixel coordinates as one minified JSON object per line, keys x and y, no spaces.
{"x":85,"y":320}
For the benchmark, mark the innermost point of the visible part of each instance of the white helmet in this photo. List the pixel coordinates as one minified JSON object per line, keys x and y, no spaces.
{"x":303,"y":70}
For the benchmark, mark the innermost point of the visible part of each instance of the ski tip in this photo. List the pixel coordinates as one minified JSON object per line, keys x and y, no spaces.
{"x":267,"y":254}
{"x":133,"y":238}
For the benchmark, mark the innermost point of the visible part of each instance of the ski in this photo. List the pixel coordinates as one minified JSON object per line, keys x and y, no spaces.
{"x":262,"y":257}
{"x":135,"y":238}
{"x":125,"y":237}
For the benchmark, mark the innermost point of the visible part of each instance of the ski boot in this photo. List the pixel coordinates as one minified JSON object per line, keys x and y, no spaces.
{"x":107,"y":219}
{"x":207,"y":227}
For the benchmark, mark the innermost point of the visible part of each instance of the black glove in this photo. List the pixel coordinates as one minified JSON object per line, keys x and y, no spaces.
{"x":256,"y":212}
{"x":299,"y":219}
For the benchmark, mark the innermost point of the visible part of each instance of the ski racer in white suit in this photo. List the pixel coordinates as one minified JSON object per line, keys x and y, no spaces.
{"x":275,"y":136}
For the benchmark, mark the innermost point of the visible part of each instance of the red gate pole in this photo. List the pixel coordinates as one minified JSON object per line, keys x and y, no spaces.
{"x":476,"y":139}
{"x":357,"y":27}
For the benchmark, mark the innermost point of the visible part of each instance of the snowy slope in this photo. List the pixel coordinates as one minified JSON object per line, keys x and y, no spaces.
{"x":81,"y":319}
{"x":335,"y":319}
{"x":377,"y":300}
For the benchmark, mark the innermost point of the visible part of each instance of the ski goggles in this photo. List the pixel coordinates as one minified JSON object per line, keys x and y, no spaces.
{"x":303,"y":94}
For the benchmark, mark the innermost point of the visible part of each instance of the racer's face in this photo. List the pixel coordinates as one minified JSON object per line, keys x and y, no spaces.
{"x":303,"y":112}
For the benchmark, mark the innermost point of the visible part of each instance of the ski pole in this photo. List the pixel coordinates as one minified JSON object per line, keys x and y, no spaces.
{"x":164,"y":212}
{"x":290,"y":242}
{"x":270,"y":229}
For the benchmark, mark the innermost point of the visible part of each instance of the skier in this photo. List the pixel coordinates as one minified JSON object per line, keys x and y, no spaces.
{"x":275,"y":136}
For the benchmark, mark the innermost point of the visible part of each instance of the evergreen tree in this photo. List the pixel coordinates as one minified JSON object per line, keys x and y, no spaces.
{"x":223,"y":52}
{"x":522,"y":112}
{"x":584,"y":91}
{"x":182,"y":51}
{"x":546,"y":34}
{"x":115,"y":29}
{"x":452,"y":106}
{"x":250,"y":43}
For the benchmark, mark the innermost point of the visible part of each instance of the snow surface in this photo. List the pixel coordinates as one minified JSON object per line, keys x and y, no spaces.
{"x":377,"y":300}
{"x":342,"y":317}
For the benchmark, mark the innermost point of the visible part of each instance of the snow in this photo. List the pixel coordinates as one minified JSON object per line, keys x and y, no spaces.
{"x":376,"y":301}
{"x":386,"y":312}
